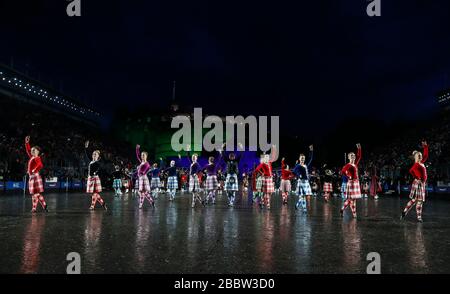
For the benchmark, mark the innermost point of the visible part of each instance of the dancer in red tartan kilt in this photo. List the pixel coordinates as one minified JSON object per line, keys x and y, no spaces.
{"x":267,"y":183}
{"x":327,"y":184}
{"x":35,"y":185}
{"x":94,"y":185}
{"x":143,"y":182}
{"x":353,"y":189}
{"x":419,"y":172}
{"x":286,"y":176}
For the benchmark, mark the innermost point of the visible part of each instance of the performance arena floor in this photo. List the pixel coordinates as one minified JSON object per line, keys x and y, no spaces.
{"x":174,"y":238}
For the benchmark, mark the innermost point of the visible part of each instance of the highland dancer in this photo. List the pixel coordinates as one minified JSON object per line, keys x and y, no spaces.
{"x":211,"y":183}
{"x":117,"y":183}
{"x":257,"y":184}
{"x":194,"y":183}
{"x":286,"y":176}
{"x":353,"y":191}
{"x":231,"y":182}
{"x":35,"y":184}
{"x":419,"y":184}
{"x":155,"y":183}
{"x":327,"y":184}
{"x":172,"y":179}
{"x":267,"y":180}
{"x":94,"y":185}
{"x":143,"y":182}
{"x":303,"y":188}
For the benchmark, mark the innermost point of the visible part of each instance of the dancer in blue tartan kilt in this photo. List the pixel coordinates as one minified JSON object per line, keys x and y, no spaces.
{"x":231,"y":182}
{"x":155,"y":182}
{"x":212,"y":184}
{"x":303,"y":188}
{"x":117,"y":183}
{"x":194,"y":183}
{"x":172,"y":179}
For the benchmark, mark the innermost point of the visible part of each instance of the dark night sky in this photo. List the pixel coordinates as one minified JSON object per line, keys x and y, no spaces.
{"x":322,"y":60}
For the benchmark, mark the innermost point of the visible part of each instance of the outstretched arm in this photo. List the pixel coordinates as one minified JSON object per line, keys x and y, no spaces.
{"x":138,"y":153}
{"x":358,"y":154}
{"x":425,"y":151}
{"x":27,"y":146}
{"x":274,"y":154}
{"x":310,"y":155}
{"x":86,"y":148}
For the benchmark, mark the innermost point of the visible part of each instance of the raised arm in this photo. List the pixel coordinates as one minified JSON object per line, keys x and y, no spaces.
{"x":217,"y":161}
{"x":310,"y":156}
{"x":138,"y":153}
{"x":27,"y":146}
{"x":425,"y":152}
{"x":358,"y":153}
{"x":86,"y":148}
{"x":283,"y":165}
{"x":273,"y":154}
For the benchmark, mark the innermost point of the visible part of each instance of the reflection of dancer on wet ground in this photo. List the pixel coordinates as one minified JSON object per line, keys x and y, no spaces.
{"x":35,"y":185}
{"x":211,"y":183}
{"x":231,"y":182}
{"x":117,"y":183}
{"x":194,"y":183}
{"x":327,"y":184}
{"x":303,"y":187}
{"x":353,"y":191}
{"x":94,"y":185}
{"x":267,"y":181}
{"x":156,"y":181}
{"x":143,"y":182}
{"x":419,"y":184}
{"x":172,"y":178}
{"x":286,"y":176}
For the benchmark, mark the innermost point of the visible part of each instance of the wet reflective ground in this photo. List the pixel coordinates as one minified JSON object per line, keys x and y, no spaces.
{"x":174,"y":238}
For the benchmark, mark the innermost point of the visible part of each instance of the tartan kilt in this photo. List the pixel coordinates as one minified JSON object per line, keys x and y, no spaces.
{"x":231,"y":183}
{"x":327,"y":187}
{"x":117,"y":184}
{"x":211,"y":183}
{"x":353,"y":189}
{"x":285,"y":186}
{"x":194,"y":184}
{"x":94,"y":185}
{"x":155,"y":183}
{"x":35,"y":184}
{"x":417,"y":190}
{"x":172,"y":183}
{"x":143,"y":184}
{"x":268,"y":186}
{"x":259,"y":184}
{"x":303,"y":188}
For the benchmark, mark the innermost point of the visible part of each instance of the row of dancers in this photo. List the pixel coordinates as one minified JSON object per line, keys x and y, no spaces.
{"x":262,"y":179}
